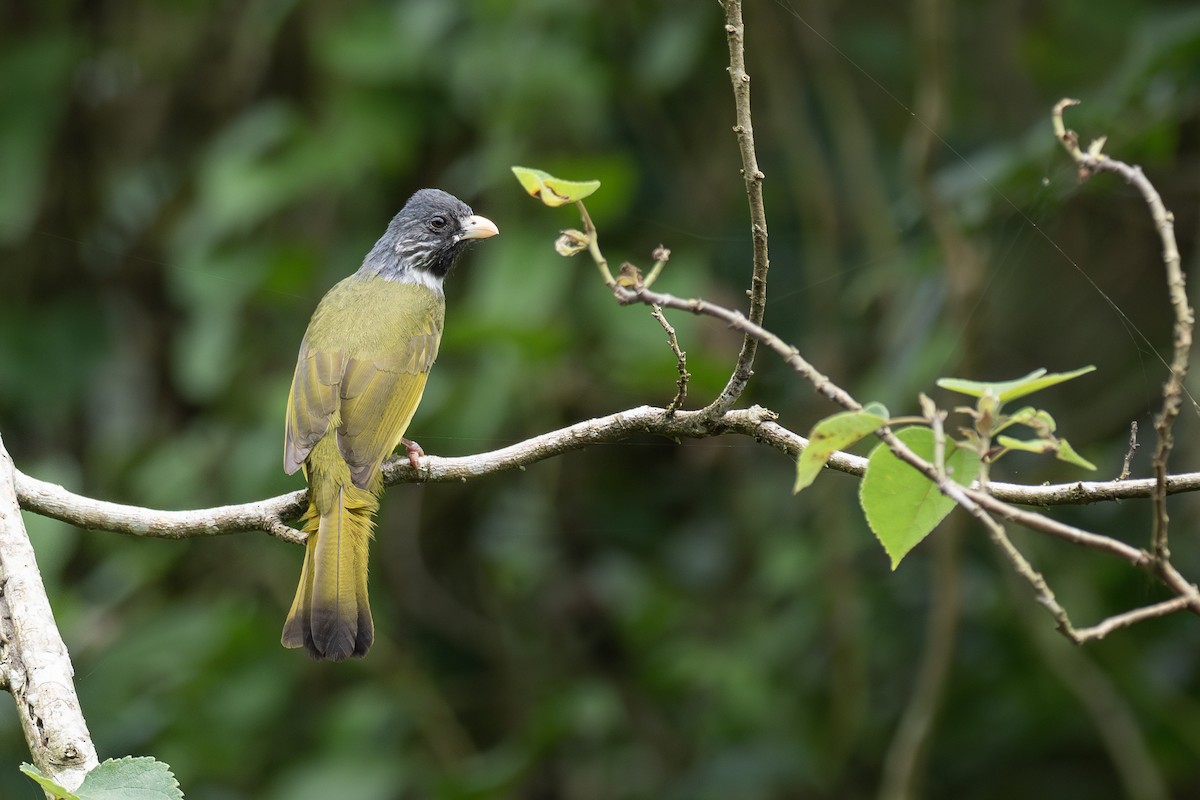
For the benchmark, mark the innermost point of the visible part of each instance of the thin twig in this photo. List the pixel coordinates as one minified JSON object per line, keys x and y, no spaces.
{"x":661,"y":256}
{"x":680,"y":362}
{"x":1187,"y":592}
{"x":735,"y":31}
{"x":593,"y":240}
{"x":1166,"y":572}
{"x":1093,"y":161}
{"x":280,"y":530}
{"x":1133,"y":446}
{"x":1117,"y":621}
{"x":735,"y":319}
{"x":1061,"y":530}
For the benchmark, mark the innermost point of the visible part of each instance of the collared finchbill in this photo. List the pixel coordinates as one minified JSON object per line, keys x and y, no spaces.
{"x":362,"y":368}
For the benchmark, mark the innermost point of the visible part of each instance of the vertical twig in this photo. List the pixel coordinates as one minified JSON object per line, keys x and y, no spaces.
{"x":661,"y":255}
{"x":1127,"y":464}
{"x":735,"y":31}
{"x":680,"y":361}
{"x":593,"y":243}
{"x":1092,"y":161}
{"x":33,"y":658}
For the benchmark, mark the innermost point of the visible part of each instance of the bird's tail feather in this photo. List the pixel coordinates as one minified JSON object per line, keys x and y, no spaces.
{"x":331,"y":616}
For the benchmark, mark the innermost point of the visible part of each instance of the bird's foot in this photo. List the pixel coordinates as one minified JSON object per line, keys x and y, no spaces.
{"x":415,"y":453}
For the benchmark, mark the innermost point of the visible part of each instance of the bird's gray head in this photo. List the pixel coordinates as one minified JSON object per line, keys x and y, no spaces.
{"x":424,"y":240}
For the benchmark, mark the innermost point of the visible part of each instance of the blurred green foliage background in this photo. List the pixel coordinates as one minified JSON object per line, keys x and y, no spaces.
{"x":180,"y":182}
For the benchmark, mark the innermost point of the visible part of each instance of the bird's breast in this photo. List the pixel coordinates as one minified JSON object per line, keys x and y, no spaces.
{"x":365,"y":316}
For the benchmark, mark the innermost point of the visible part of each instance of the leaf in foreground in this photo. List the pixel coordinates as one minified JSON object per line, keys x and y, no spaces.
{"x":129,"y":778}
{"x":832,"y":434}
{"x":50,"y":787}
{"x":902,"y":506}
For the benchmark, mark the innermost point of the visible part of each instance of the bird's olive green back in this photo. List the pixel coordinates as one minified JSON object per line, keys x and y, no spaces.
{"x":361,"y":371}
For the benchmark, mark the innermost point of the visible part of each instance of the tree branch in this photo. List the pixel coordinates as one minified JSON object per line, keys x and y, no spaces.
{"x":268,"y":515}
{"x":1130,"y":617}
{"x":756,"y":422}
{"x":52,"y":500}
{"x":34,"y":662}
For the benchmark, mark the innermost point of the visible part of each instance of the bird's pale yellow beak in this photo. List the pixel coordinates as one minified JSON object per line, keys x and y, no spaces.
{"x":477,"y":227}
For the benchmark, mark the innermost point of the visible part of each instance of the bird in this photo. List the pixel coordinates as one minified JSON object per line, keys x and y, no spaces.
{"x":359,"y":377}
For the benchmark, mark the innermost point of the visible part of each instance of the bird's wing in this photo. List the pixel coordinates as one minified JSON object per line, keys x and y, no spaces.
{"x":379,"y":395}
{"x":312,"y":402}
{"x":362,"y":370}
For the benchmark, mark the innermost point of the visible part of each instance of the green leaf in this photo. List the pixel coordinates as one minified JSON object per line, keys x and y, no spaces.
{"x":1005,"y":391}
{"x":50,"y":787}
{"x":129,"y":778}
{"x":551,"y":190}
{"x":1026,"y":445}
{"x":1059,"y":447}
{"x":1067,"y":453}
{"x":832,"y":434}
{"x":901,"y":505}
{"x":1032,"y":417}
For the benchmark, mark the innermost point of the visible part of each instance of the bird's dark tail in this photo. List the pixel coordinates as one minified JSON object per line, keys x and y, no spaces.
{"x":331,"y":616}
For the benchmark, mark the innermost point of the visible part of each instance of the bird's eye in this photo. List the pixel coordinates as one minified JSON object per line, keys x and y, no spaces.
{"x":438,"y":222}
